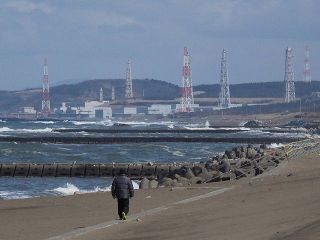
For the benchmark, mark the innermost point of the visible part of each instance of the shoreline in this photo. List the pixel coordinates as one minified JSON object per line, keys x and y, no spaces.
{"x":270,"y":198}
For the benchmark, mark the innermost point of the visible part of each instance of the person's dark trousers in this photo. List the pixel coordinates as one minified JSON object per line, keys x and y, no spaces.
{"x":123,"y":206}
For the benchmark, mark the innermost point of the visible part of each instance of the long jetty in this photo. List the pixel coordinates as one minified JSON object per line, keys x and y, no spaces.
{"x":122,"y":140}
{"x":134,"y":171}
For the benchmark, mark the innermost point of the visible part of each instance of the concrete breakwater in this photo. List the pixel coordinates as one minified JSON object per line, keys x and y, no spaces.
{"x":121,"y":140}
{"x":243,"y":161}
{"x":239,"y":162}
{"x":134,"y":171}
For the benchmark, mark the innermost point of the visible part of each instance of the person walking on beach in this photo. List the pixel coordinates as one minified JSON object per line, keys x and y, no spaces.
{"x":122,"y":189}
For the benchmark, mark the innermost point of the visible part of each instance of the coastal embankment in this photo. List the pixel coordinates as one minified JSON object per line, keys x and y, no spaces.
{"x":281,"y":203}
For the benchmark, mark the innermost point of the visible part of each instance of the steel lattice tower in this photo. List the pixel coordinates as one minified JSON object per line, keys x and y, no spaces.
{"x":187,"y":101}
{"x":224,"y":96}
{"x":289,"y":77}
{"x":307,"y":68}
{"x":101,"y":95}
{"x":113,"y":94}
{"x":129,"y":91}
{"x":45,"y":110}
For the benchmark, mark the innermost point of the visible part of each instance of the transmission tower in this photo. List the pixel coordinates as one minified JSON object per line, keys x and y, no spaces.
{"x":113,"y":94}
{"x":101,"y":95}
{"x":187,"y":101}
{"x":224,"y":96}
{"x":129,"y":92}
{"x":45,"y":110}
{"x":289,"y":77}
{"x":307,"y":68}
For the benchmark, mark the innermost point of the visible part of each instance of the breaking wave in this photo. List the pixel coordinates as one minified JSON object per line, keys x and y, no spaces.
{"x":71,"y":189}
{"x":6,"y":129}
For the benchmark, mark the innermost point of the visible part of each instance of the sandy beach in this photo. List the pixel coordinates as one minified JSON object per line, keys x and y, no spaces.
{"x":280,"y":204}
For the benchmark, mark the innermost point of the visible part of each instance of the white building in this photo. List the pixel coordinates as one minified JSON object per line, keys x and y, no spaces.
{"x":130,"y":110}
{"x":161,"y":109}
{"x":29,"y":110}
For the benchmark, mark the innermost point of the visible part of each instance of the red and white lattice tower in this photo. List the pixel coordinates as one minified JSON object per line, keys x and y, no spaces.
{"x":307,"y":68}
{"x":45,"y":110}
{"x":129,"y":91}
{"x":187,"y":101}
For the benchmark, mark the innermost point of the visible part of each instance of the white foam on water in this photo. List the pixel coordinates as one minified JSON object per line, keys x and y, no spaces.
{"x":135,"y":123}
{"x":6,"y":129}
{"x":2,"y":121}
{"x":71,"y":189}
{"x":43,"y":122}
{"x":67,"y":189}
{"x":35,"y":130}
{"x":178,"y":153}
{"x":8,"y":195}
{"x":275,"y":145}
{"x":103,"y":123}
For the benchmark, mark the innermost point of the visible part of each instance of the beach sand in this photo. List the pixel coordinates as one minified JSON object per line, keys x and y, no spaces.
{"x":275,"y":206}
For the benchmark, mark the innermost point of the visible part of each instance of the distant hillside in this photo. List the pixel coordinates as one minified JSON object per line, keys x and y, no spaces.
{"x":259,"y":90}
{"x":148,"y":89}
{"x":88,"y":90}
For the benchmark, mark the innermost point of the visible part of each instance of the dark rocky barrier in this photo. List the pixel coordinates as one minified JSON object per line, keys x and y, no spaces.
{"x":120,"y":140}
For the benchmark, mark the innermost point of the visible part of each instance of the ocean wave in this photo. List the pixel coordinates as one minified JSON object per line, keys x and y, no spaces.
{"x":8,"y":195}
{"x":71,"y":189}
{"x":6,"y":129}
{"x":275,"y":145}
{"x":35,"y":130}
{"x":142,"y":123}
{"x":43,"y":122}
{"x":103,"y":123}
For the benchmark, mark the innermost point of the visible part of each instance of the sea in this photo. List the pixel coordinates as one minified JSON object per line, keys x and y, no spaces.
{"x":30,"y":187}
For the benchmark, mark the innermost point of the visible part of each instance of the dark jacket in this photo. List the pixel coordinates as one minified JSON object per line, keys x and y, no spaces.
{"x":122,"y":187}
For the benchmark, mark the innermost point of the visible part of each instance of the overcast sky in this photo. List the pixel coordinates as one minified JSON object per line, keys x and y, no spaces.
{"x":94,"y":39}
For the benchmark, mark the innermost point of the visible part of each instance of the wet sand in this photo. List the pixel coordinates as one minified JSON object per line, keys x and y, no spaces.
{"x":275,"y":206}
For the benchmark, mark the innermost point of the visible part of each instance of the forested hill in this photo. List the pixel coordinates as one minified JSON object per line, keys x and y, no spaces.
{"x":148,"y":89}
{"x":259,"y":90}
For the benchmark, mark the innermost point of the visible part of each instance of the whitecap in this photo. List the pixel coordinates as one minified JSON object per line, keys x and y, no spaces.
{"x":275,"y":145}
{"x":44,"y":122}
{"x":35,"y":130}
{"x":8,"y":195}
{"x":67,"y":189}
{"x":6,"y":129}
